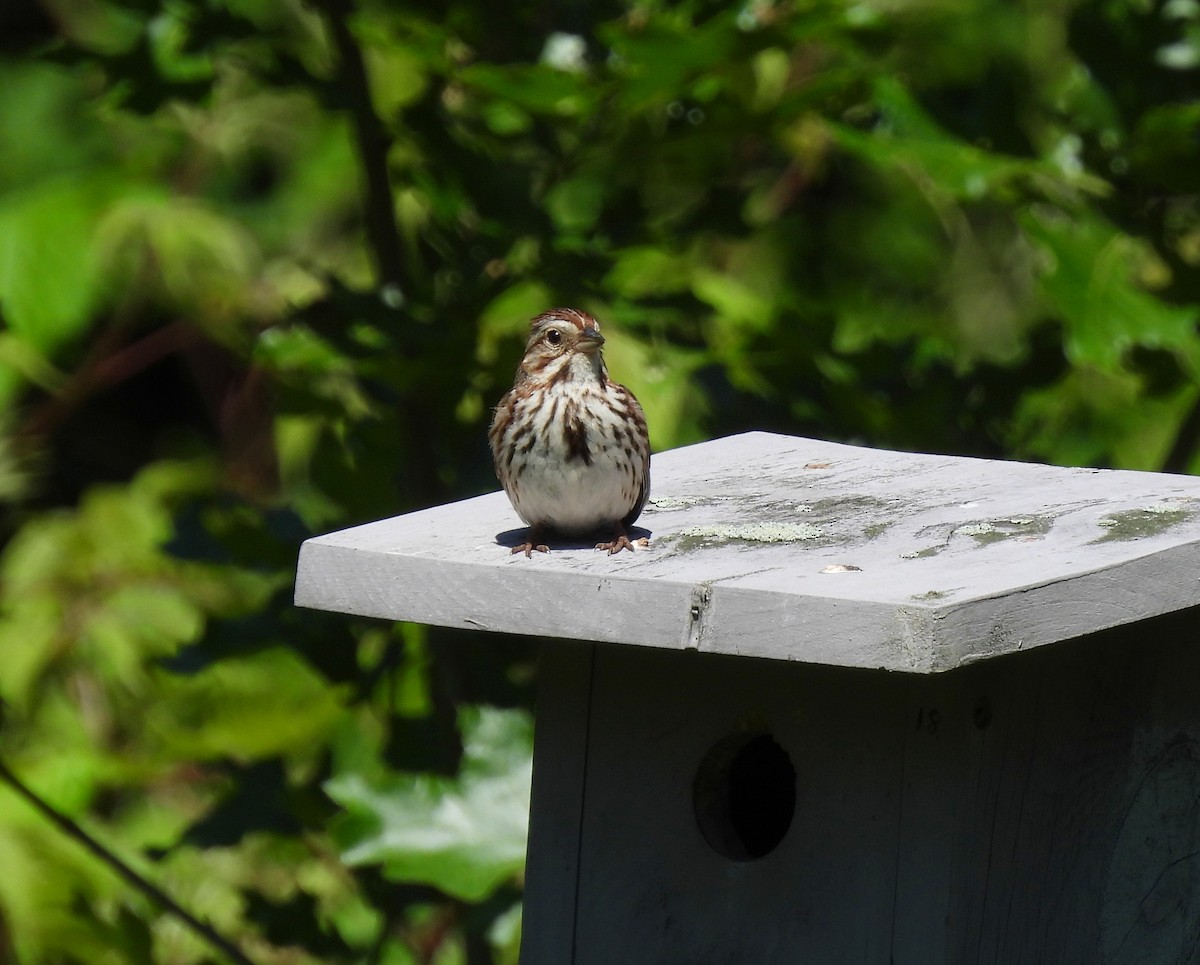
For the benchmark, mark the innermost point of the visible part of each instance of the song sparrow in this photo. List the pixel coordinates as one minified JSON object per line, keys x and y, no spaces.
{"x":570,"y":444}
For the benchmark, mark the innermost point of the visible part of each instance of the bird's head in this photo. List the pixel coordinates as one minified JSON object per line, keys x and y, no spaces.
{"x":564,"y":344}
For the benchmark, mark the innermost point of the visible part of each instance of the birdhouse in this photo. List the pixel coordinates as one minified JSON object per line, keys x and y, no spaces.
{"x":847,"y":706}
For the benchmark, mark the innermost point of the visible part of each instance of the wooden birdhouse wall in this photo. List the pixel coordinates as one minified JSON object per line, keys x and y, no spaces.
{"x":1044,"y":807}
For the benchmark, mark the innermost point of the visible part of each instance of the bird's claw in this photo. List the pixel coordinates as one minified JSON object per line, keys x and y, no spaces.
{"x":622,"y":542}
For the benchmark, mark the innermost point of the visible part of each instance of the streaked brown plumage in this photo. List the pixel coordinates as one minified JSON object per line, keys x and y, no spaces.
{"x":569,"y":444}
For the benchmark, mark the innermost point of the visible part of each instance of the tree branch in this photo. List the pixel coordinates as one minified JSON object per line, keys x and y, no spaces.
{"x":379,"y":215}
{"x":106,"y":366}
{"x":373,"y":140}
{"x":131,"y":877}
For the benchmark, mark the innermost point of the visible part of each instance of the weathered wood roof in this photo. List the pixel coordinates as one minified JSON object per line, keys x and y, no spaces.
{"x":775,"y":546}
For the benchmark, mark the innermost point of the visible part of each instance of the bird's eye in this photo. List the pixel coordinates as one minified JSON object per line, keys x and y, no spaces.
{"x":554,"y":336}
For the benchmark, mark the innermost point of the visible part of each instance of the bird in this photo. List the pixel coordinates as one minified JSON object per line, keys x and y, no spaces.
{"x":570,"y":446}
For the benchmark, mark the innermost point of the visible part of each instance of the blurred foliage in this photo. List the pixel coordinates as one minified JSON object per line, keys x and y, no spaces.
{"x":265,"y":266}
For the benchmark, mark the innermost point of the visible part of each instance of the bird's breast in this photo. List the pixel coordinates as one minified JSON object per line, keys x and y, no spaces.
{"x":581,"y":466}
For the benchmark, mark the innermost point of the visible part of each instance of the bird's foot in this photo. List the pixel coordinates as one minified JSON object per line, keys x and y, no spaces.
{"x":531,"y":544}
{"x":621,"y":541}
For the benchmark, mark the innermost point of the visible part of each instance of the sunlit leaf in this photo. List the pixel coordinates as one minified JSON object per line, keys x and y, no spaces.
{"x":507,"y":317}
{"x":49,"y":275}
{"x":1092,"y":281}
{"x":466,"y":835}
{"x":575,"y":204}
{"x":660,"y":377}
{"x":648,"y":270}
{"x":237,"y":709}
{"x":196,"y":258}
{"x":538,"y":88}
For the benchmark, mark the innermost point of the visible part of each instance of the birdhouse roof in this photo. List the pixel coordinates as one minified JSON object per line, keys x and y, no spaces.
{"x":774,"y":546}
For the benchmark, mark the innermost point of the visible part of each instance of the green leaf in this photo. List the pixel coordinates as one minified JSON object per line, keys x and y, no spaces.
{"x":507,"y":317}
{"x":197,"y":258}
{"x":658,"y":59}
{"x":245,"y":709}
{"x":465,"y":835}
{"x":575,"y":205}
{"x":1164,"y":147}
{"x":93,"y":587}
{"x":945,"y":167}
{"x":537,"y":88}
{"x":396,"y":75}
{"x":504,"y":936}
{"x":1094,"y":417}
{"x":1095,"y":281}
{"x":647,"y":270}
{"x":660,"y":376}
{"x":743,"y":281}
{"x":736,"y":299}
{"x":49,"y":276}
{"x":23,"y":357}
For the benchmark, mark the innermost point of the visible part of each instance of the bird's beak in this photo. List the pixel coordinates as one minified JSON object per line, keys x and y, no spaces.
{"x":590,"y":340}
